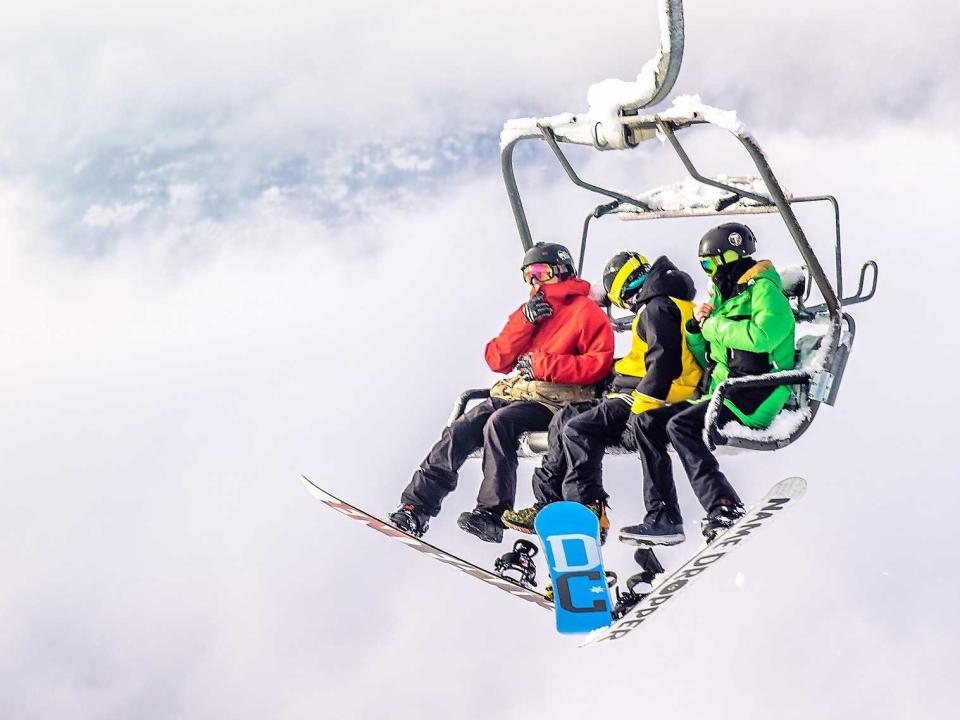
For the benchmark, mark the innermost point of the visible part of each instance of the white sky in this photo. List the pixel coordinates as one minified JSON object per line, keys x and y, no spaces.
{"x":167,"y":374}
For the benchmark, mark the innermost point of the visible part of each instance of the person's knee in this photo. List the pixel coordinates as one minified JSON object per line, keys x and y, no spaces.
{"x":461,"y":424}
{"x":556,"y":427}
{"x":645,"y":423}
{"x":500,"y":423}
{"x":567,"y":412}
{"x":573,"y":430}
{"x":680,"y":427}
{"x":475,"y":416}
{"x":563,"y":418}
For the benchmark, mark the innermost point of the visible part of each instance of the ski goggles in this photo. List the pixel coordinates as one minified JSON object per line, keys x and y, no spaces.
{"x":713,"y":263}
{"x":629,"y":279}
{"x":538,"y":272}
{"x":628,"y":292}
{"x":634,"y":284}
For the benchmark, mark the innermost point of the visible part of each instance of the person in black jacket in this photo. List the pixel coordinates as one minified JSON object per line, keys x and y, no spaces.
{"x":659,"y":369}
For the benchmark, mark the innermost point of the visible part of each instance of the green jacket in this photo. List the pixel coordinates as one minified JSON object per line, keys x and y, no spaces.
{"x":750,"y":334}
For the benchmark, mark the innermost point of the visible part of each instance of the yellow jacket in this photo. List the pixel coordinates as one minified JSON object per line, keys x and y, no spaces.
{"x":682,"y":386}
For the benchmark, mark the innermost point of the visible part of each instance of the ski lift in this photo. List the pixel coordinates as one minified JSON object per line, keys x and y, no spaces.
{"x":821,"y":357}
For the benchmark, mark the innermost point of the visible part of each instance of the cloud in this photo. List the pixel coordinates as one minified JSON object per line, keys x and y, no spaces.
{"x":165,"y":384}
{"x":161,"y":398}
{"x":116,"y":106}
{"x":164,"y":553}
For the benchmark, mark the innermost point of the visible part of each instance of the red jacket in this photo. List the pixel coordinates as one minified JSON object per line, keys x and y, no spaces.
{"x":572,"y":346}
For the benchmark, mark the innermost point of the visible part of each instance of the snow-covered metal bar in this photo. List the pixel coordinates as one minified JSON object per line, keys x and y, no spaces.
{"x":611,"y":100}
{"x":685,"y":112}
{"x":670,"y":56}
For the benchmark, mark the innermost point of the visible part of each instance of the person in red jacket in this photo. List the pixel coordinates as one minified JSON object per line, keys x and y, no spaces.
{"x":558,"y":335}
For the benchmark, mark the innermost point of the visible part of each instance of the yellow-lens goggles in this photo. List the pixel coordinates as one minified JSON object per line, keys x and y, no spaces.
{"x":712,"y":263}
{"x":538,"y":272}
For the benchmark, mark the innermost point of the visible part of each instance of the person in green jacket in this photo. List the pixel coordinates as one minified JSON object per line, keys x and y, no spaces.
{"x":747,"y":328}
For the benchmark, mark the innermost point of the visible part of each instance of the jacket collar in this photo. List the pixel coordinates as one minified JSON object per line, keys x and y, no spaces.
{"x":751,"y":274}
{"x":564,"y":289}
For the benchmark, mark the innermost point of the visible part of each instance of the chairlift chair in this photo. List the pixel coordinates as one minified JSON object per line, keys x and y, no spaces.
{"x":821,"y":357}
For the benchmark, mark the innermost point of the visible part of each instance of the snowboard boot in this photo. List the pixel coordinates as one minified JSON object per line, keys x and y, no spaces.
{"x":719,"y":519}
{"x":599,"y":508}
{"x":482,"y":522}
{"x":409,"y":519}
{"x":522,"y":520}
{"x":656,"y":529}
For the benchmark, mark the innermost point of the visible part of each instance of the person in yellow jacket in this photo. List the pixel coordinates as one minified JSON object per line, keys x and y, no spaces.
{"x":746,"y":329}
{"x":659,"y":369}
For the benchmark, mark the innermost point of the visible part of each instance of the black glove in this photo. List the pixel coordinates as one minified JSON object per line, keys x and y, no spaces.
{"x":525,"y":366}
{"x":693,"y":327}
{"x":537,"y":308}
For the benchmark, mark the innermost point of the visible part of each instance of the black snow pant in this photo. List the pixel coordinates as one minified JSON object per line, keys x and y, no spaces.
{"x":680,"y":424}
{"x":572,"y":469}
{"x":494,"y":424}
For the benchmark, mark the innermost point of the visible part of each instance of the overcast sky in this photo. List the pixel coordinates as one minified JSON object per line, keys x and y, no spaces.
{"x":240,"y":241}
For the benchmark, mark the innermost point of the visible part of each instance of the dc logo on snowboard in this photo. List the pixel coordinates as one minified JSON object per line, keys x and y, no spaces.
{"x":568,"y":573}
{"x":570,"y":534}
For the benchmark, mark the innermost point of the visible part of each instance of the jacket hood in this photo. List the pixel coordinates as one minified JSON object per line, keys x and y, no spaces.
{"x":564,"y":290}
{"x":665,"y":278}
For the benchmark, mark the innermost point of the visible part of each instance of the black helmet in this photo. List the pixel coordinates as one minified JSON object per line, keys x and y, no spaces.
{"x":729,"y":236}
{"x":552,"y":254}
{"x":623,"y":277}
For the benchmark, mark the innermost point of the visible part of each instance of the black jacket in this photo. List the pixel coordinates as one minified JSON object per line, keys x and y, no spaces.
{"x":660,"y":326}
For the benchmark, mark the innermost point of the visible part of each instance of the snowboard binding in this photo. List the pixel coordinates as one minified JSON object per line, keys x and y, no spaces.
{"x":651,"y":567}
{"x":518,"y":565}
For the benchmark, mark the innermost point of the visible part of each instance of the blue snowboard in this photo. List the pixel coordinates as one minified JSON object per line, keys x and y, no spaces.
{"x":570,"y":534}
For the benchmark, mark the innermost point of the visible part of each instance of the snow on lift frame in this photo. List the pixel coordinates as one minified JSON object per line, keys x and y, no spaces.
{"x":815,"y":382}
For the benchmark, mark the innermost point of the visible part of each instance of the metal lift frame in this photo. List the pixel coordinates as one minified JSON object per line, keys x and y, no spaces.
{"x":821,"y":386}
{"x":817,"y":386}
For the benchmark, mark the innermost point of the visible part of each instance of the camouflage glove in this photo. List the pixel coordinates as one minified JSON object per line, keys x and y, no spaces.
{"x":525,"y":367}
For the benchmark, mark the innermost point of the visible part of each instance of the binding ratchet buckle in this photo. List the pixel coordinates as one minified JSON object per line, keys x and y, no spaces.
{"x":518,"y":565}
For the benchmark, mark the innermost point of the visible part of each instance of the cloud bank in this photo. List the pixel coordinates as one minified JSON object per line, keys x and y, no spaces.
{"x":185,"y":331}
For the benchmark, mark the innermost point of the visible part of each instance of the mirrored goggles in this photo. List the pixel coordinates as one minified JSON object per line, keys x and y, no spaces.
{"x":713,"y":263}
{"x":538,"y":272}
{"x":710,"y":264}
{"x":634,"y":284}
{"x":630,"y":291}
